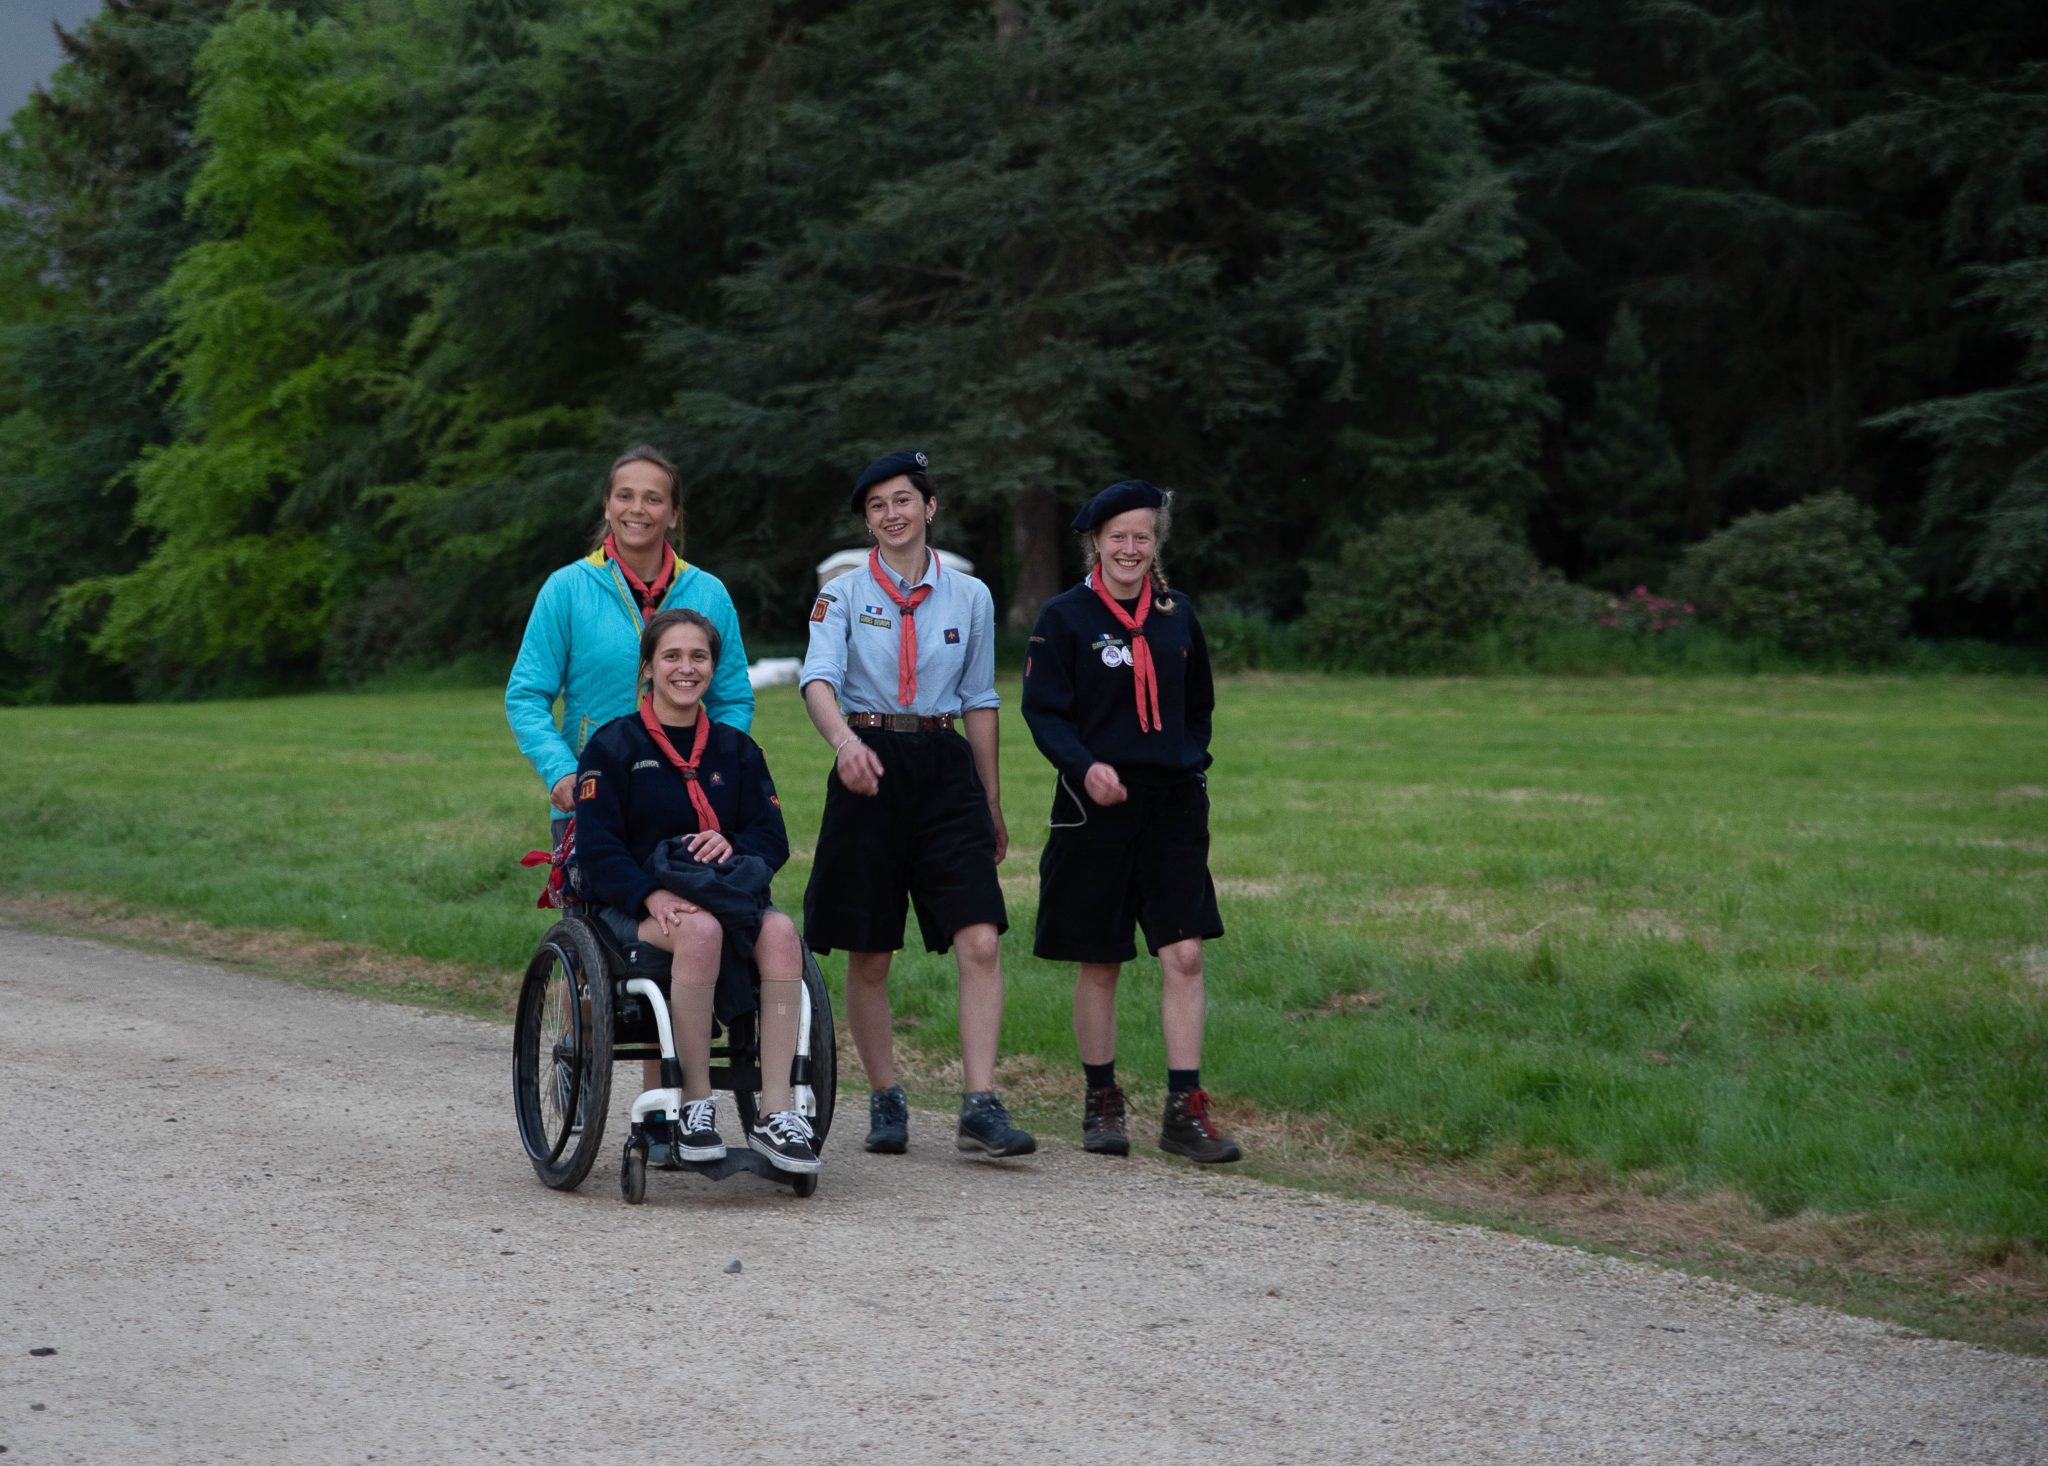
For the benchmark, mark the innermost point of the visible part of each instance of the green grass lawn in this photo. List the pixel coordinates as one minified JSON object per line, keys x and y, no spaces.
{"x":1785,"y":936}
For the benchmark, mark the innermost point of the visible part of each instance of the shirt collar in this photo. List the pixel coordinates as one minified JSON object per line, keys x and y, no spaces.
{"x":930,"y":576}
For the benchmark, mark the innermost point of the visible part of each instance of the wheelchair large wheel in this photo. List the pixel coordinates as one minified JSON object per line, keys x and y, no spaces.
{"x":562,"y":1055}
{"x":823,"y":1071}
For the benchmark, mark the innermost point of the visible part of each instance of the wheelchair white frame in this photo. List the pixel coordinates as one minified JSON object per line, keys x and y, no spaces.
{"x":667,"y":1102}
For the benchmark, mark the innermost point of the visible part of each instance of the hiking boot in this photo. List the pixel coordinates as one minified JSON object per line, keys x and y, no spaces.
{"x":785,"y":1138}
{"x":888,"y":1121}
{"x":985,"y":1126}
{"x":697,"y":1137}
{"x":1187,"y":1130}
{"x":1102,"y":1122}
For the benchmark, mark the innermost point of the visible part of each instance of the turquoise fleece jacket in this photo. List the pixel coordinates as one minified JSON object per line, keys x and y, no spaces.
{"x":582,"y":644}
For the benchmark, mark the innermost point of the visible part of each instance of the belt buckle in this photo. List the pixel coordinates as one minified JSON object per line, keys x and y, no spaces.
{"x":904,"y":723}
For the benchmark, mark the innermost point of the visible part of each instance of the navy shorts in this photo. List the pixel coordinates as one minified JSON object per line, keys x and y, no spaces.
{"x":1110,"y":869}
{"x":926,"y":841}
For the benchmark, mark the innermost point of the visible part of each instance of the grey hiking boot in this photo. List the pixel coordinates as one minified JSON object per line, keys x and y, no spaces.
{"x":888,"y":1121}
{"x":1102,"y":1122}
{"x":1187,"y":1130}
{"x":985,"y":1126}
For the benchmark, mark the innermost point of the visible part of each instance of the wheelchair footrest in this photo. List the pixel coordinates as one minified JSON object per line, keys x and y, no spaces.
{"x":737,"y":1158}
{"x":661,"y":1156}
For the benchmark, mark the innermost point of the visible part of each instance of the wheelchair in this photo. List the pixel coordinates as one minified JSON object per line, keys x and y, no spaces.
{"x":587,"y":1002}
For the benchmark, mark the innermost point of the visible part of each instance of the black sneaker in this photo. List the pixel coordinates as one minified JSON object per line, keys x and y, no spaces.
{"x":1187,"y":1130}
{"x":888,"y":1121}
{"x":1102,"y":1122}
{"x":985,"y":1126}
{"x":697,"y":1137}
{"x":785,"y":1138}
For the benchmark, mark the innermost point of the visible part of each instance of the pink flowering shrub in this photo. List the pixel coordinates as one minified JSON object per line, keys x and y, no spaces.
{"x":1646,"y":614}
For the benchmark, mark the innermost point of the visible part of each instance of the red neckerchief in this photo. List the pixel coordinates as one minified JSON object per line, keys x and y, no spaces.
{"x":1146,"y":679}
{"x":707,"y":817}
{"x":906,"y":622}
{"x":649,"y":595}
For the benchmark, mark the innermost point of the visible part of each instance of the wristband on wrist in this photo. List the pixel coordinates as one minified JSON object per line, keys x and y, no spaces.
{"x":849,"y":738}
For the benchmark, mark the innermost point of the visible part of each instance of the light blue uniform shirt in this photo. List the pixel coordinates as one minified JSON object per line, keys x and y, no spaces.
{"x":854,"y":639}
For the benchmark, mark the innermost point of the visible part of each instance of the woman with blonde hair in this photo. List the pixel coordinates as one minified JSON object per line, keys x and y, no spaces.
{"x":1119,"y":698}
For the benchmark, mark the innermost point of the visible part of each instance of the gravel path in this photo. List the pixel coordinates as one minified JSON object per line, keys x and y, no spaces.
{"x":261,"y":1223}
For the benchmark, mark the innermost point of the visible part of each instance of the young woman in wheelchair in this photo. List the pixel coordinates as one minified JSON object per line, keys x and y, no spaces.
{"x":665,"y":789}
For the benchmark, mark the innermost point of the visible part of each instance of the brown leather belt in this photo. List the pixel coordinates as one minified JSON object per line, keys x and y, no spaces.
{"x":900,"y":722}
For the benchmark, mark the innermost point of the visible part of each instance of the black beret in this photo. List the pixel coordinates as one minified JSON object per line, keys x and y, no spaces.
{"x":1131,"y":493}
{"x":889,"y":466}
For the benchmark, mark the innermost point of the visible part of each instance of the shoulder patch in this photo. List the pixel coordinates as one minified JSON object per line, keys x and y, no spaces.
{"x":818,"y":610}
{"x":588,"y":788}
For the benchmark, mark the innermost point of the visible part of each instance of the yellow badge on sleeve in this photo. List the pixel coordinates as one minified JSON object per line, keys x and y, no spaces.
{"x":588,"y":788}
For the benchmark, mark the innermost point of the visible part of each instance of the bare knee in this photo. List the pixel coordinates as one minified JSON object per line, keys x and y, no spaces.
{"x":777,"y":947}
{"x":867,"y":971}
{"x":1100,"y":977}
{"x":697,"y":937}
{"x":978,"y":946}
{"x":1180,"y":965}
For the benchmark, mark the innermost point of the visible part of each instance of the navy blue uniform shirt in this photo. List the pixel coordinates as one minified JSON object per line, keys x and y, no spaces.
{"x":629,"y":799}
{"x":1080,"y":694}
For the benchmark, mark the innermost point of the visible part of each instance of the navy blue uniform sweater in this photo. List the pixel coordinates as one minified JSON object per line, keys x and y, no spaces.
{"x":1082,"y":710}
{"x":629,"y":798}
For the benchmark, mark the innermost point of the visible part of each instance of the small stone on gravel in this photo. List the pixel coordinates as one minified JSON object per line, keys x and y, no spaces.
{"x":42,"y":1352}
{"x":733,"y":1266}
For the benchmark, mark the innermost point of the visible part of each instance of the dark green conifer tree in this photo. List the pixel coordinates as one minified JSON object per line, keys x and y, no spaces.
{"x":96,"y":168}
{"x":1254,"y":254}
{"x":1627,"y":487}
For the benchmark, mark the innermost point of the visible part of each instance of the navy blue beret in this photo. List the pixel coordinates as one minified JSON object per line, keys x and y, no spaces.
{"x":1131,"y":493}
{"x":889,"y":466}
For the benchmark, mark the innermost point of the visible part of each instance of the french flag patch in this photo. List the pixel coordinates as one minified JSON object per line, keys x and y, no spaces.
{"x":873,"y":611}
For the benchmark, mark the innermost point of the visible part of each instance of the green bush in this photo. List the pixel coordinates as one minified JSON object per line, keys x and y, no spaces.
{"x":1246,"y":641}
{"x":1417,"y":592}
{"x":1814,"y":578}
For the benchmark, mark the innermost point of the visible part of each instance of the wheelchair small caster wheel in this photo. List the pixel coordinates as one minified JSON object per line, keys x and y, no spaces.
{"x":633,"y":1173}
{"x":805,"y":1185}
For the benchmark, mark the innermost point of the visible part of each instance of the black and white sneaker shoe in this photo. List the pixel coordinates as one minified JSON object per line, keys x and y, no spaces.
{"x":785,"y":1138}
{"x":697,"y":1137}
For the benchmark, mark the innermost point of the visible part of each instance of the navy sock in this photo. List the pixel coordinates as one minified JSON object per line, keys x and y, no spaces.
{"x":1100,"y":1076}
{"x":1183,"y":1081}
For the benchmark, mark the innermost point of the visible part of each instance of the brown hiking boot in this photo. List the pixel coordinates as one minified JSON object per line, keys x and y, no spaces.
{"x":1186,"y":1130}
{"x":1102,"y":1122}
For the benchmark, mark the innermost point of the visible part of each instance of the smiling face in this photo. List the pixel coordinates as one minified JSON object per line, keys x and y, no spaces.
{"x":897,"y":514}
{"x":1125,"y":547}
{"x":680,"y":669}
{"x":640,"y":507}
